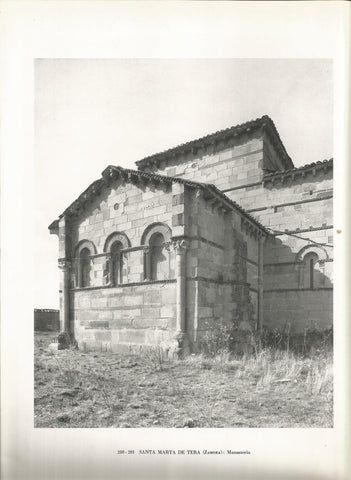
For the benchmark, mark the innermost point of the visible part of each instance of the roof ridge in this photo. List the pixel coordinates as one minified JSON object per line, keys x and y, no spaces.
{"x":263,"y":121}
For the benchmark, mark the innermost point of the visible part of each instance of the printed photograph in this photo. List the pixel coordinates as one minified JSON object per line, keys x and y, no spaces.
{"x":184,"y":243}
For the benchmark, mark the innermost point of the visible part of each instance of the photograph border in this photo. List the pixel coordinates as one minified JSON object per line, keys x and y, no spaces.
{"x":128,"y":29}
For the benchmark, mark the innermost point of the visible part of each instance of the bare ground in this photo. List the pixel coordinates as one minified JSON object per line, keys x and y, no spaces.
{"x":102,"y":389}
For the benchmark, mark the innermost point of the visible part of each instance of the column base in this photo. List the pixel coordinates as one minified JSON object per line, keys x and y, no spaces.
{"x":65,"y":340}
{"x":180,"y":347}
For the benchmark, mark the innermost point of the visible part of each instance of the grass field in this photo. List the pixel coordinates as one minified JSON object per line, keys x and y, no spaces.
{"x":102,"y":389}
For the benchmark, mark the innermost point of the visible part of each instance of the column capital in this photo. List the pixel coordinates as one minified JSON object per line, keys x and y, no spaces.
{"x":180,"y":246}
{"x":167,"y":245}
{"x":64,"y":264}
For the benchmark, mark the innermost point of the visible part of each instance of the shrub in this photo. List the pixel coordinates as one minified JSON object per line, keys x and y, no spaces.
{"x":310,"y":341}
{"x":217,"y":342}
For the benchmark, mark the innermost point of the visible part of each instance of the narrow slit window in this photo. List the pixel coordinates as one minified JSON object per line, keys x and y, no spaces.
{"x":311,"y":272}
{"x":85,"y":268}
{"x":116,"y":263}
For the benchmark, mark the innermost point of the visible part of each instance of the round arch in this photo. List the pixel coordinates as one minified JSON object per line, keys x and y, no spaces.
{"x":85,"y":244}
{"x":116,"y":237}
{"x":156,"y":228}
{"x":317,"y":249}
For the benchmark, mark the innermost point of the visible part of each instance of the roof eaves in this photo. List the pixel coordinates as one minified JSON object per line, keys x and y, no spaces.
{"x":53,"y":226}
{"x":274,"y":136}
{"x":151,"y":176}
{"x":111,"y":172}
{"x":235,"y":206}
{"x":299,"y":171}
{"x":204,"y":186}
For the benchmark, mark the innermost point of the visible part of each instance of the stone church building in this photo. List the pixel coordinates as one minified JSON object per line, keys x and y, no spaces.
{"x":222,"y":230}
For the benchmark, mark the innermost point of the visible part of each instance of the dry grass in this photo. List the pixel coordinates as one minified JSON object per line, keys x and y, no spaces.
{"x":101,"y":389}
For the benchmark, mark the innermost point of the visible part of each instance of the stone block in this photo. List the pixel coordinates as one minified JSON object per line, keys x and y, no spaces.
{"x":178,"y":220}
{"x":151,"y":297}
{"x":156,"y":211}
{"x":82,"y":300}
{"x":103,"y":336}
{"x":104,"y":315}
{"x":178,"y":209}
{"x":178,"y":199}
{"x":205,"y":312}
{"x":157,"y":337}
{"x":139,"y":223}
{"x":130,"y":336}
{"x":98,"y":324}
{"x":130,"y":301}
{"x":150,"y":312}
{"x":98,"y":302}
{"x":168,"y":294}
{"x":125,"y":226}
{"x":178,"y":230}
{"x":149,"y":322}
{"x":167,"y":311}
{"x":147,"y":195}
{"x":177,"y":188}
{"x":53,"y":348}
{"x":123,"y":322}
{"x":135,"y":216}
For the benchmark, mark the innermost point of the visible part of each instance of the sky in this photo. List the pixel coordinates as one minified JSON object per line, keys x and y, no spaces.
{"x":92,"y":113}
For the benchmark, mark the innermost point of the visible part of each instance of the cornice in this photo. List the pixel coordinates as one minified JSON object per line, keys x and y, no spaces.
{"x":300,"y":172}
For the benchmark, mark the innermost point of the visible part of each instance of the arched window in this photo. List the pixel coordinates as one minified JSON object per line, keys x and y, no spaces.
{"x":85,"y":267}
{"x":158,"y":258}
{"x":83,"y":262}
{"x":156,"y":254}
{"x":311,"y":260}
{"x":116,"y":267}
{"x":310,"y":271}
{"x":116,"y":260}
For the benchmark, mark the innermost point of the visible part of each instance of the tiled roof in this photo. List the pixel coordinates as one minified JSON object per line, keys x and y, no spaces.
{"x":112,"y":172}
{"x":300,"y":171}
{"x":263,"y":122}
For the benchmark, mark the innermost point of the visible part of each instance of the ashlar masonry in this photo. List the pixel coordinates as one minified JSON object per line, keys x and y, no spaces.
{"x":222,"y":230}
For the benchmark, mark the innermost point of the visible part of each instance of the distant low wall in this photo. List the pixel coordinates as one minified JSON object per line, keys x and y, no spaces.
{"x":298,"y":309}
{"x":46,"y":320}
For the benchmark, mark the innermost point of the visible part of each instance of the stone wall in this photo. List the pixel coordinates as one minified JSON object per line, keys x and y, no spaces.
{"x":269,"y":198}
{"x":218,"y":255}
{"x":138,"y":312}
{"x":118,"y":209}
{"x":218,"y":267}
{"x":210,"y":250}
{"x":296,"y":310}
{"x":124,"y":319}
{"x":237,"y":161}
{"x":296,"y":205}
{"x":222,"y":272}
{"x":302,"y":210}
